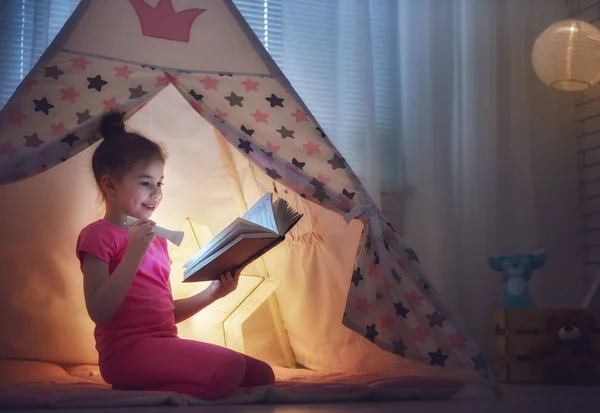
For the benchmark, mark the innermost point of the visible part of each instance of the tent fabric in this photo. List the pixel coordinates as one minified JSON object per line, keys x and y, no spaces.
{"x":119,"y":55}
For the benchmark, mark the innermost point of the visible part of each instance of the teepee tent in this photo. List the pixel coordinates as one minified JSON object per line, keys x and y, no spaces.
{"x":344,"y":292}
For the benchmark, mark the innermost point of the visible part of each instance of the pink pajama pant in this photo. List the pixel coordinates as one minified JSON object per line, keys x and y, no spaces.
{"x":202,"y":370}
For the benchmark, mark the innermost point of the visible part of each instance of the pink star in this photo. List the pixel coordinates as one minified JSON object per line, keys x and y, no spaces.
{"x":6,"y":148}
{"x":220,"y":114}
{"x":300,"y":116}
{"x":386,"y":322}
{"x":110,"y":104}
{"x":123,"y":71}
{"x":30,"y":82}
{"x":81,"y":62}
{"x":69,"y":94}
{"x":403,"y":264}
{"x":272,"y":147}
{"x":162,"y":81}
{"x":323,"y":178}
{"x":312,"y":147}
{"x":16,"y":115}
{"x":371,"y":270}
{"x":209,"y":82}
{"x":260,"y":116}
{"x":414,"y":297}
{"x":198,"y":107}
{"x":250,"y":85}
{"x":418,"y":334}
{"x":362,"y":304}
{"x":58,"y":129}
{"x":294,"y":185}
{"x":388,"y":286}
{"x":457,"y":340}
{"x":388,"y":234}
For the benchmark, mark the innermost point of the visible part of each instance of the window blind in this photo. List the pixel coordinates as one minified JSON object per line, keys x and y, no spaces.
{"x":27,"y":27}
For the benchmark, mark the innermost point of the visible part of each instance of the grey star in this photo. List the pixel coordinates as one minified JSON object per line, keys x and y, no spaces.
{"x":235,"y":100}
{"x":401,"y":311}
{"x":399,"y":347}
{"x":195,"y":95}
{"x":247,"y":131}
{"x":96,"y":82}
{"x":33,"y":141}
{"x":43,"y":105}
{"x":357,"y":277}
{"x":298,"y":164}
{"x":53,"y":71}
{"x":315,"y":182}
{"x":70,"y":139}
{"x":396,"y":276}
{"x":412,"y":255}
{"x":245,"y":145}
{"x":275,"y":101}
{"x":83,"y":116}
{"x":286,"y":133}
{"x":320,"y":195}
{"x":348,"y":194}
{"x":273,"y":173}
{"x":371,"y":332}
{"x":436,"y":319}
{"x":136,"y":92}
{"x":337,"y":162}
{"x":438,"y":358}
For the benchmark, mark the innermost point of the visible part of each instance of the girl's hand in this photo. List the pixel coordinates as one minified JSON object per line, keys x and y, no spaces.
{"x":141,"y":235}
{"x":225,"y":284}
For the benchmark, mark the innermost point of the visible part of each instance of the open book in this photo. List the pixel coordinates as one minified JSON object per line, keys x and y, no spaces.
{"x":247,"y":238}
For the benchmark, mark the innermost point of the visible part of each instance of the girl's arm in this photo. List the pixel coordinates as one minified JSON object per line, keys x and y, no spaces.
{"x":187,"y":307}
{"x":104,"y":294}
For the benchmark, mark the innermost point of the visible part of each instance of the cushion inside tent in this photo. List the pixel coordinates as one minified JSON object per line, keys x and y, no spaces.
{"x":46,"y":336}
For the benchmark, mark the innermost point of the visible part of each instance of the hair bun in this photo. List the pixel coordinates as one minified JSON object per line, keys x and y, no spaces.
{"x":112,"y":124}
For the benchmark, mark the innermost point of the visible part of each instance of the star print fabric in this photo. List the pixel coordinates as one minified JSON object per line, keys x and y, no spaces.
{"x":57,"y":111}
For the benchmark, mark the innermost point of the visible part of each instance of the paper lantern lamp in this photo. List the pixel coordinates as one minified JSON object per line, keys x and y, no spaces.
{"x":566,"y":56}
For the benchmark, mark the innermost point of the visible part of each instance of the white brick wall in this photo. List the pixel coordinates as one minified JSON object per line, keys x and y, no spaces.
{"x":587,"y":110}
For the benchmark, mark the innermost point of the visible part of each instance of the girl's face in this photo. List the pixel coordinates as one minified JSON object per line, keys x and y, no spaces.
{"x":139,"y":192}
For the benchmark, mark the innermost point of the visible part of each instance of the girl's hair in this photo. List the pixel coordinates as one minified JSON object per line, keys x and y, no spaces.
{"x":120,"y":150}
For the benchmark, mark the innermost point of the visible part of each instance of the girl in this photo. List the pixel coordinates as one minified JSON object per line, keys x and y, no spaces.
{"x":127,"y":287}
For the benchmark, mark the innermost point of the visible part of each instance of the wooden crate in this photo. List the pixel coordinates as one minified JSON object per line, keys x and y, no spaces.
{"x":516,"y":333}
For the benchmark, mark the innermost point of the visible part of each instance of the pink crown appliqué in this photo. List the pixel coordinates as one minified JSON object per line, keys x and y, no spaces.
{"x":164,"y":22}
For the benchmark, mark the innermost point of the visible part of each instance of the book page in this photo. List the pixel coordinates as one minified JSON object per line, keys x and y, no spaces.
{"x":261,"y":213}
{"x":224,"y":237}
{"x":285,"y":215}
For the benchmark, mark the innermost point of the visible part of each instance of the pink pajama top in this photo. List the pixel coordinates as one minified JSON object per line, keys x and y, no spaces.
{"x":148,"y":308}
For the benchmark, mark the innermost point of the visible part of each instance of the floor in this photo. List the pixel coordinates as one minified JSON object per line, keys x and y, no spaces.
{"x":518,"y":399}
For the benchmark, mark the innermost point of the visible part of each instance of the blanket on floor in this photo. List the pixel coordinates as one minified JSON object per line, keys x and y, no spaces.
{"x":25,"y":384}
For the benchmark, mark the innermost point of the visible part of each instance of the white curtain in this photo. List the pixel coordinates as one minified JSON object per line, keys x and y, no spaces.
{"x":491,"y":155}
{"x":435,"y":105}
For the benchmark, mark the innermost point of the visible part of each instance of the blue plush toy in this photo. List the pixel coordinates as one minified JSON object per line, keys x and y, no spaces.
{"x":516,"y":271}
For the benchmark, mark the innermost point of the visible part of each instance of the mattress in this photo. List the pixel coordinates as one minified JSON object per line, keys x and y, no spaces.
{"x":32,"y":384}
